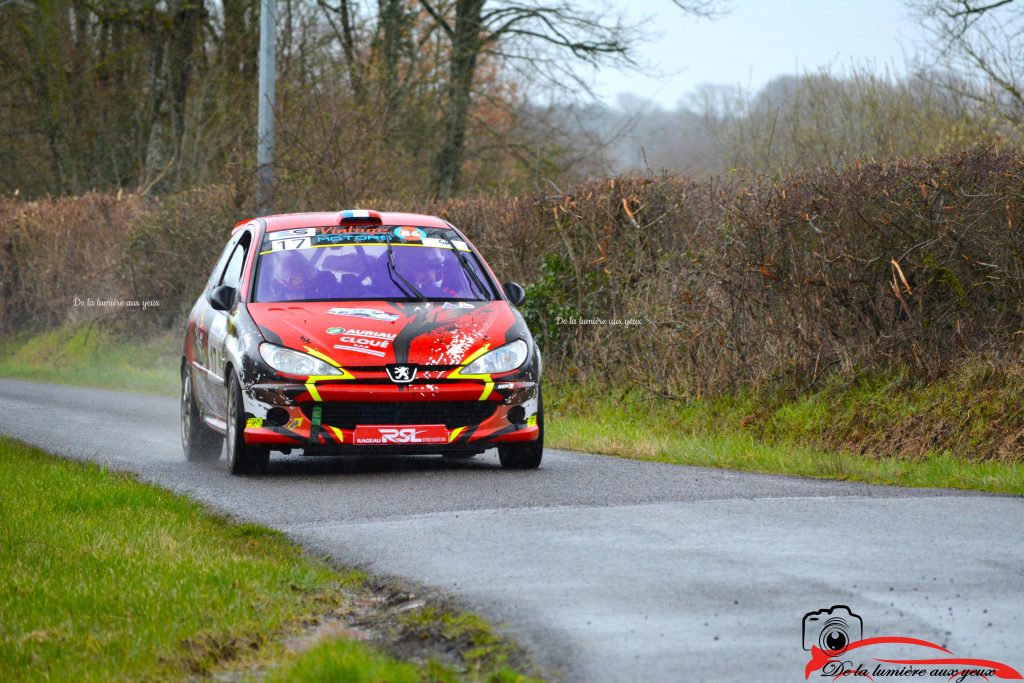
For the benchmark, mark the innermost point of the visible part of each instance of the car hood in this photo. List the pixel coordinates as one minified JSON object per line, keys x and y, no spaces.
{"x":377,"y":333}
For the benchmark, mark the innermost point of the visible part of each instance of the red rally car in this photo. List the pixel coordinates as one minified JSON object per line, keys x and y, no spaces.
{"x":358,"y":332}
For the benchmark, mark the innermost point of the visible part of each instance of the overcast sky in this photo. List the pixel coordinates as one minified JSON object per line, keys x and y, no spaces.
{"x":758,"y":40}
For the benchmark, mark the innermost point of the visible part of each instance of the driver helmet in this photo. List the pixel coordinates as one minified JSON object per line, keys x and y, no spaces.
{"x":293,"y":276}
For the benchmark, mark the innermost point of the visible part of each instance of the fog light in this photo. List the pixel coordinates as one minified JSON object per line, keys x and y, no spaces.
{"x":516,"y":415}
{"x":277,"y":416}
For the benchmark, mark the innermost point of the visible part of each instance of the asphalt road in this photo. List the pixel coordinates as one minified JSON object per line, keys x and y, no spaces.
{"x":605,"y":569}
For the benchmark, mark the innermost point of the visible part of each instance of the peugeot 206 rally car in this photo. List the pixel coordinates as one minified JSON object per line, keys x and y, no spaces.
{"x":357,"y":332}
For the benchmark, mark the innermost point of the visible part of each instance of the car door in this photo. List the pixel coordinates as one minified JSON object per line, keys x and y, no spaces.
{"x":201,"y":319}
{"x":198,"y":332}
{"x":217,"y":329}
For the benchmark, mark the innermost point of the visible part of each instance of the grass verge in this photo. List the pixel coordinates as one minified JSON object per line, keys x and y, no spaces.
{"x":963,"y":431}
{"x":105,"y":578}
{"x":92,"y":356}
{"x":874,"y":430}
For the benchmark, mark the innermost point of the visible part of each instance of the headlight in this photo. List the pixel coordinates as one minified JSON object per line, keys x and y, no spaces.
{"x":293,"y":362}
{"x":502,"y":359}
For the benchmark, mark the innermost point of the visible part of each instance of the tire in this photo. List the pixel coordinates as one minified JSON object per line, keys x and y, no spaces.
{"x":200,"y":443}
{"x":525,"y":456}
{"x":242,"y":459}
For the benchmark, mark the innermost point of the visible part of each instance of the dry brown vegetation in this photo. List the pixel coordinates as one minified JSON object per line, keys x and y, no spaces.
{"x":738,"y":285}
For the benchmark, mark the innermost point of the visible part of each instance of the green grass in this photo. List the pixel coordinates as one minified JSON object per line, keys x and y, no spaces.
{"x":483,"y":653}
{"x":803,"y":436}
{"x":91,"y":356}
{"x":105,"y":578}
{"x":349,"y":661}
{"x":963,"y":431}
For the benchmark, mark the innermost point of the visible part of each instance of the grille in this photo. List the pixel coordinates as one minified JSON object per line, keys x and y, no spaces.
{"x":451,"y":414}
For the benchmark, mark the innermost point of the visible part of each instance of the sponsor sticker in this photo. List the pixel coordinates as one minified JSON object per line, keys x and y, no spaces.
{"x":442,"y":243}
{"x":365,"y":342}
{"x":291,"y":243}
{"x":360,"y":349}
{"x":458,"y":304}
{"x":374,"y":435}
{"x":349,"y":238}
{"x":291,"y":234}
{"x":369,"y":342}
{"x":368,"y":313}
{"x":410,"y":234}
{"x":371,"y":333}
{"x":254,"y":423}
{"x":351,"y":230}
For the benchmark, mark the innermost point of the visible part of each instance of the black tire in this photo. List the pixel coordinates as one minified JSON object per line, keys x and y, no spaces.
{"x":525,"y":456}
{"x":242,"y":459}
{"x":200,"y":443}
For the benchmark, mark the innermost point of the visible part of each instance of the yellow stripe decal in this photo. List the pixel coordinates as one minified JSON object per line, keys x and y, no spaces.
{"x":458,"y":374}
{"x":469,"y":359}
{"x":455,"y":434}
{"x":338,"y":433}
{"x":313,"y":379}
{"x":345,"y":374}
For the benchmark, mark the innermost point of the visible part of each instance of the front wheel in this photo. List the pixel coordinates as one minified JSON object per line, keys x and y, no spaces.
{"x":242,"y":458}
{"x":525,"y":456}
{"x":199,"y":442}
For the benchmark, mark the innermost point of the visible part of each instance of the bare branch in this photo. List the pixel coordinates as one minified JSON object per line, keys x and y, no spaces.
{"x":438,"y":17}
{"x":968,"y":8}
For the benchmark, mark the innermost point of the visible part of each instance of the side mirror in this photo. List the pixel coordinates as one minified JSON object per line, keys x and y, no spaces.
{"x":515,"y":293}
{"x":222,"y":298}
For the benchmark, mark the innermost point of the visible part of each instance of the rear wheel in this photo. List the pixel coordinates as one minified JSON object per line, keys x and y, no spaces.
{"x":242,"y":458}
{"x":199,"y":442}
{"x":525,"y":456}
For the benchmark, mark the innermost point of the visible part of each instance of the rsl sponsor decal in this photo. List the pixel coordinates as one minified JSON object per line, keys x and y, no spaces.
{"x":387,"y":434}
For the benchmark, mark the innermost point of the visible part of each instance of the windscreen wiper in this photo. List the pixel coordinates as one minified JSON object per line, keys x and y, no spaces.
{"x":393,"y":272}
{"x":469,"y":269}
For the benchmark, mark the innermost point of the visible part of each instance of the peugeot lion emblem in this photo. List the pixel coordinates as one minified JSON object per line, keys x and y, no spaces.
{"x":401,"y":374}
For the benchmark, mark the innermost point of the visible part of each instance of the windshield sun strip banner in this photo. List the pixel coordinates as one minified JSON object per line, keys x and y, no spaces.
{"x":338,"y":235}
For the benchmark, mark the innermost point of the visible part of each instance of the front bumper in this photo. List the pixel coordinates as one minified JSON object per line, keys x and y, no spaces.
{"x":338,"y":416}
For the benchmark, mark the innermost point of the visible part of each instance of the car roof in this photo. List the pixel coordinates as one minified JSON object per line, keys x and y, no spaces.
{"x":288,"y":221}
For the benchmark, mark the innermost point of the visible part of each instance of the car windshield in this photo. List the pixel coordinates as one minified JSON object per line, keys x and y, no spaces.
{"x":351,"y":263}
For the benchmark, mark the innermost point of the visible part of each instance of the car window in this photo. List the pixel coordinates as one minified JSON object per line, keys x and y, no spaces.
{"x":233,"y":271}
{"x":218,"y":269}
{"x":339,"y":263}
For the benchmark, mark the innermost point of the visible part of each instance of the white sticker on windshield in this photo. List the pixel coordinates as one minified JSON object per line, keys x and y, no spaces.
{"x":291,"y":243}
{"x":291,"y":234}
{"x":445,"y":244}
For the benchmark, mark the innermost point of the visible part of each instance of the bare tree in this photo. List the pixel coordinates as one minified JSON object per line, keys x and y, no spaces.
{"x":982,"y":39}
{"x":478,"y":28}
